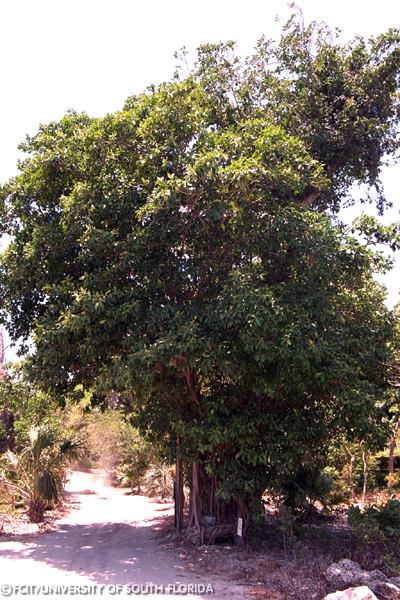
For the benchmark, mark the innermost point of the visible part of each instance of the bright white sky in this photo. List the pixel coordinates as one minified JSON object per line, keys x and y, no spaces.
{"x":91,"y":54}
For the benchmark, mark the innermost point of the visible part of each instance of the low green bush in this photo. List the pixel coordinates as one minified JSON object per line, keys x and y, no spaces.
{"x":374,"y":522}
{"x":309,"y":485}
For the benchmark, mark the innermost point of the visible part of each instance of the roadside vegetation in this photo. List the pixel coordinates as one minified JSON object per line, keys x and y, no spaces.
{"x":41,"y":441}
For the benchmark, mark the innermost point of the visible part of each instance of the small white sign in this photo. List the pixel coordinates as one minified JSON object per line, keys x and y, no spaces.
{"x":240,"y":527}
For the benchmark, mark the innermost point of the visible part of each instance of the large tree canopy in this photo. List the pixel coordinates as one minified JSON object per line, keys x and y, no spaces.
{"x":184,"y":251}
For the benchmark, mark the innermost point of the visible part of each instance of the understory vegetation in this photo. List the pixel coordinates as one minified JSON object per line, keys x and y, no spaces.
{"x":40,"y":441}
{"x":44,"y":440}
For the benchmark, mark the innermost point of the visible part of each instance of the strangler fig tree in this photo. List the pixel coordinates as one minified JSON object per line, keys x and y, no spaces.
{"x":184,"y":253}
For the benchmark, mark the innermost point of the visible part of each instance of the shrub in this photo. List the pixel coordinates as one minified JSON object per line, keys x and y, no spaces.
{"x":159,"y":481}
{"x":393,"y":479}
{"x":309,"y":485}
{"x":339,"y":492}
{"x":376,"y":522}
{"x":364,"y":522}
{"x":389,"y":518}
{"x":36,"y":472}
{"x":287,"y":526}
{"x":123,"y":451}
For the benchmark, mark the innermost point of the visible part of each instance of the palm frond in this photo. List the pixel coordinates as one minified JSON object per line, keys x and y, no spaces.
{"x":40,"y":439}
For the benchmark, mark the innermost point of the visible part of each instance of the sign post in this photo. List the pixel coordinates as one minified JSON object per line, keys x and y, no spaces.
{"x":239,"y":532}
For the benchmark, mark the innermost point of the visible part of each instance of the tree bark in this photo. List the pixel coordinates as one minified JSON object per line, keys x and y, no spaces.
{"x":392,"y":447}
{"x":7,"y":441}
{"x":243,"y":514}
{"x":195,"y":497}
{"x":209,"y":515}
{"x":351,"y":476}
{"x":193,"y":387}
{"x":178,"y":488}
{"x":365,"y":475}
{"x":309,"y":200}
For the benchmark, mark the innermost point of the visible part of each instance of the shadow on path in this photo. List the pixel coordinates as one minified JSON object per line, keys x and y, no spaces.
{"x":110,"y":553}
{"x":107,"y":539}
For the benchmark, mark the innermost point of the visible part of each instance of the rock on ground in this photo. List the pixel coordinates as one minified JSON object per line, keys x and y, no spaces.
{"x":386,"y":590}
{"x":347,"y":573}
{"x":355,"y":593}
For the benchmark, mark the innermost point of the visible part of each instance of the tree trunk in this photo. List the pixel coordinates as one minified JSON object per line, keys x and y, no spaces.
{"x":242,"y":521}
{"x":178,"y":488}
{"x":7,"y":440}
{"x":351,"y":476}
{"x":392,"y":447}
{"x":195,"y":502}
{"x":210,"y":516}
{"x":365,"y":475}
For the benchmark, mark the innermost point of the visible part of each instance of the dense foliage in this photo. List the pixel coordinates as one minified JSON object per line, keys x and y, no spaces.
{"x":183,"y":254}
{"x":26,"y":406}
{"x":375,"y":521}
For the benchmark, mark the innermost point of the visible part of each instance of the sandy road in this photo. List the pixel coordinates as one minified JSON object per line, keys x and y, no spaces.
{"x":108,"y":540}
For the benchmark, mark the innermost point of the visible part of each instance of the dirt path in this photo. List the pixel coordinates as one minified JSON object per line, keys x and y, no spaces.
{"x":107,"y":542}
